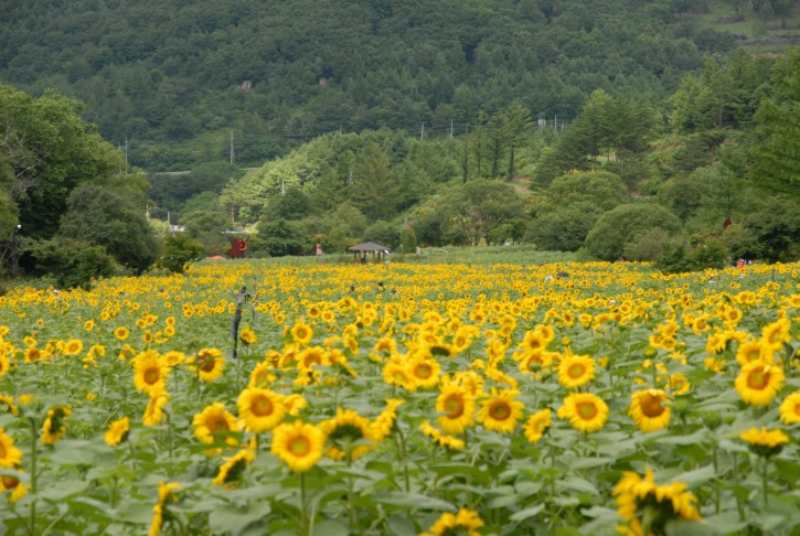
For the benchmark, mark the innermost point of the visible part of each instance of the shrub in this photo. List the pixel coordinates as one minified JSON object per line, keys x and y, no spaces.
{"x":384,"y":233}
{"x":408,"y":240}
{"x":179,"y":250}
{"x":697,"y":253}
{"x":562,"y":229}
{"x":73,"y":263}
{"x":279,"y":238}
{"x":647,"y":246}
{"x":617,"y":227}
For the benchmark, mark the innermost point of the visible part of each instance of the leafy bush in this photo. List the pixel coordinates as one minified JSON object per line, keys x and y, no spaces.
{"x":279,"y":238}
{"x":179,"y":250}
{"x":697,"y":253}
{"x":73,"y":263}
{"x":104,"y":217}
{"x":408,"y":240}
{"x":648,"y":245}
{"x":617,"y":227}
{"x":562,"y":229}
{"x":384,"y":233}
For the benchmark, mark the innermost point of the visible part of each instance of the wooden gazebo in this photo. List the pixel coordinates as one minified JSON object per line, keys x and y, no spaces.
{"x":363,"y":250}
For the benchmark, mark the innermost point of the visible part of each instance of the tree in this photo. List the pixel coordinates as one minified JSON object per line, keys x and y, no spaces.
{"x":294,"y":204}
{"x":623,"y":224}
{"x":600,"y":189}
{"x":101,"y":216}
{"x":279,"y":238}
{"x":776,"y":149}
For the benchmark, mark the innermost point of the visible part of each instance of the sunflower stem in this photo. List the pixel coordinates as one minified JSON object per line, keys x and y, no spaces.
{"x":404,"y":456}
{"x":350,"y":493}
{"x":764,"y":481}
{"x":33,"y":475}
{"x":303,"y":513}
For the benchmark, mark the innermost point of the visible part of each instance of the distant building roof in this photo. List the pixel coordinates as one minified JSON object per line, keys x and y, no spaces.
{"x":369,"y":246}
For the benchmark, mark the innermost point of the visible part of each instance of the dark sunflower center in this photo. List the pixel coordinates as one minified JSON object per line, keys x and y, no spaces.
{"x":500,"y":411}
{"x":587,"y":410}
{"x":347,"y":432}
{"x":206,"y":363}
{"x":262,"y":406}
{"x":151,"y":375}
{"x":758,"y":379}
{"x":454,"y":406}
{"x":299,"y":445}
{"x":576,"y":370}
{"x":423,"y":371}
{"x":651,"y":406}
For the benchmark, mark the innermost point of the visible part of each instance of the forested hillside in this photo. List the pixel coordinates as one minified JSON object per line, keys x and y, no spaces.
{"x":176,"y":77}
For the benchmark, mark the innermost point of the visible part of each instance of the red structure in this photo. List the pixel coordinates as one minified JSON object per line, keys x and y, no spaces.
{"x":238,"y":248}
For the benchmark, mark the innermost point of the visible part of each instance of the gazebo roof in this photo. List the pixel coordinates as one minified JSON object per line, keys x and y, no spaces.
{"x":369,"y":246}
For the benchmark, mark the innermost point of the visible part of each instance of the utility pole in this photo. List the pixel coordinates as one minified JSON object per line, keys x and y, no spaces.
{"x":422,"y":132}
{"x":451,"y":128}
{"x":232,"y":149}
{"x":126,"y":155}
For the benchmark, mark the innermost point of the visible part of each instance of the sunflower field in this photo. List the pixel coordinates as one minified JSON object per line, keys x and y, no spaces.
{"x":571,"y":398}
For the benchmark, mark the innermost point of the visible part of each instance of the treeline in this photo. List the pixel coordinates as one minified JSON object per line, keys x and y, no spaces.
{"x":175,"y":77}
{"x":712,"y":175}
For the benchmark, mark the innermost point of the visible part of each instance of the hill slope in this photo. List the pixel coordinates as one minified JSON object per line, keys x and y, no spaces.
{"x":175,"y":77}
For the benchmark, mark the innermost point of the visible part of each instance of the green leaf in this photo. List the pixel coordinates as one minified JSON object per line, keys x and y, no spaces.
{"x":527,"y":513}
{"x":233,"y":521}
{"x":696,"y":477}
{"x":331,"y":528}
{"x":401,"y":526}
{"x":576,"y":483}
{"x":415,"y":500}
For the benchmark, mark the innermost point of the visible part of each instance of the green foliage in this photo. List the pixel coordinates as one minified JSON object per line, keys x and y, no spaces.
{"x":179,"y":250}
{"x":48,"y":150}
{"x":384,"y":232}
{"x":774,"y":231}
{"x":103,"y":217}
{"x":279,"y":72}
{"x":9,"y":216}
{"x":408,"y":240}
{"x":602,"y":189}
{"x":294,"y":204}
{"x":776,"y":147}
{"x":563,"y":228}
{"x":73,"y":263}
{"x":697,"y":253}
{"x":617,"y":227}
{"x":278,"y":238}
{"x":208,"y":229}
{"x":171,"y":190}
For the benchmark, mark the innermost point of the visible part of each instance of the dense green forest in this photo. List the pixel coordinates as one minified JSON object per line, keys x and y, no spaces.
{"x":174,"y":78}
{"x":640,"y":130}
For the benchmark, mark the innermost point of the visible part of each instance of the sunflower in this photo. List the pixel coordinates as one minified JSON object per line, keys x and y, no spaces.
{"x":11,"y":483}
{"x":248,"y":336}
{"x":313,"y":355}
{"x":261,"y":409}
{"x":423,"y":371}
{"x":750,"y":351}
{"x":166,"y":493}
{"x":10,"y":456}
{"x":154,"y":412}
{"x":302,"y":333}
{"x":234,"y":466}
{"x":54,"y":427}
{"x":215,"y":421}
{"x":442,"y":440}
{"x":298,"y":444}
{"x":173,"y":358}
{"x":73,"y":347}
{"x":294,"y":404}
{"x":457,"y":406}
{"x":500,"y":411}
{"x":648,"y":409}
{"x":117,"y":432}
{"x":776,"y":334}
{"x":586,"y":412}
{"x":642,"y":500}
{"x":209,"y":363}
{"x":758,"y":383}
{"x":32,"y":354}
{"x":150,"y":373}
{"x":396,"y":373}
{"x":7,"y":405}
{"x":464,"y":522}
{"x":262,"y":375}
{"x":575,"y":371}
{"x":679,"y":384}
{"x":350,"y":435}
{"x":764,"y":442}
{"x":790,"y":409}
{"x":383,"y":423}
{"x":4,"y":364}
